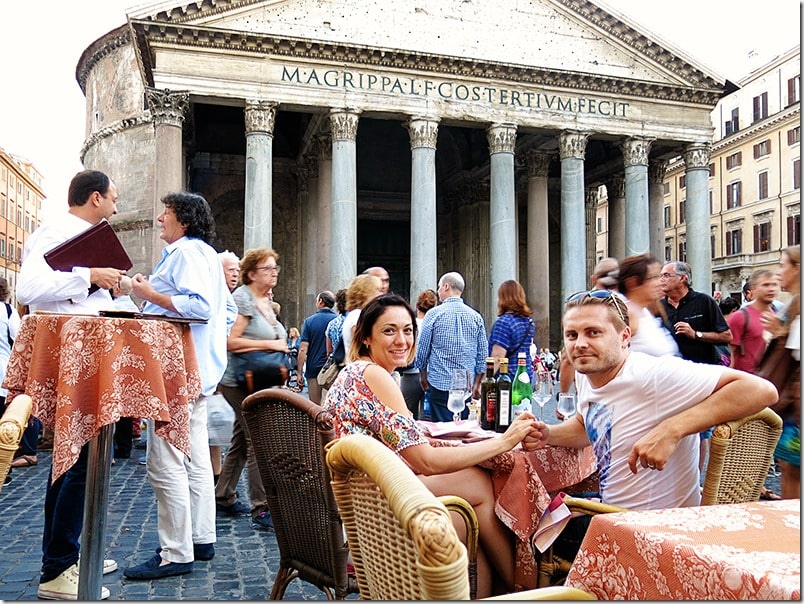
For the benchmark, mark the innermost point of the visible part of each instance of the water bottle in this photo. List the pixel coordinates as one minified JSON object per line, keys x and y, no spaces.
{"x":426,"y":405}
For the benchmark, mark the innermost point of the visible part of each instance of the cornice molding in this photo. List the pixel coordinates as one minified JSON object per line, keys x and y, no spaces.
{"x":114,"y":128}
{"x":98,"y":51}
{"x":705,"y":92}
{"x":639,"y":42}
{"x":739,"y":137}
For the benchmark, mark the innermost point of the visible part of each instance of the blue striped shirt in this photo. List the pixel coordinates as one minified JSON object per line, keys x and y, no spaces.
{"x":453,"y":336}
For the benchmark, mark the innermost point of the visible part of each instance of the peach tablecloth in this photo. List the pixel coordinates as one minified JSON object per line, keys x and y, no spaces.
{"x":85,"y":372}
{"x":746,"y":551}
{"x":523,"y":485}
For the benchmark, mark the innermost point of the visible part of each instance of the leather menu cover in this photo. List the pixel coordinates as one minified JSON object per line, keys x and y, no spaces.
{"x":96,"y":247}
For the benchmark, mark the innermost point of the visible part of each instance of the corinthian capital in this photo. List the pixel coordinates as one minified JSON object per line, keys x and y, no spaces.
{"x":635,"y":151}
{"x":343,"y":124}
{"x":572,"y":144}
{"x":260,"y":116}
{"x":167,"y":107}
{"x":615,"y":187}
{"x":501,"y":137}
{"x":697,"y":155}
{"x":423,"y":132}
{"x":656,"y":170}
{"x":538,"y":163}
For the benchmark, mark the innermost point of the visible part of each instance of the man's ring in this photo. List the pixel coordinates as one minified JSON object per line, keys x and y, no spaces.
{"x":651,"y":466}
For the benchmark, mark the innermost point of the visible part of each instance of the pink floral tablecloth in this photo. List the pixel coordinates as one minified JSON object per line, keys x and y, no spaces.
{"x":746,"y":551}
{"x":524,"y":483}
{"x":86,"y":372}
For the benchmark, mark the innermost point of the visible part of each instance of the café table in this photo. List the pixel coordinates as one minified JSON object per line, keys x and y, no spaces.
{"x":84,"y":373}
{"x":745,"y":551}
{"x":524,"y":483}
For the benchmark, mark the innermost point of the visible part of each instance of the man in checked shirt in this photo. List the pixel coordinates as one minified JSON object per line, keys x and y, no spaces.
{"x":452,"y":336}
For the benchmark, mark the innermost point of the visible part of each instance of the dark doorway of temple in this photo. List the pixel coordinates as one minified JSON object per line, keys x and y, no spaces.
{"x":386,"y":243}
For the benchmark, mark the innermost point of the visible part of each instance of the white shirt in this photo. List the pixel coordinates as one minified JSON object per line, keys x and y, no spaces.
{"x":42,"y":288}
{"x":191,"y":274}
{"x":647,"y":391}
{"x":651,"y":338}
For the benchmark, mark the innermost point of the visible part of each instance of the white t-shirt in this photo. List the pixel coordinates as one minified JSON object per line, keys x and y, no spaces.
{"x":646,"y":391}
{"x":651,"y":338}
{"x":348,"y":325}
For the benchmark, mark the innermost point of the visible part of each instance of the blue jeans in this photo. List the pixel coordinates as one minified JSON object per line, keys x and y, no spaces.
{"x":64,"y":518}
{"x":438,"y":406}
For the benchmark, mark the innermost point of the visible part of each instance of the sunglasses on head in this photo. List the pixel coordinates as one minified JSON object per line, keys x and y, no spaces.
{"x":606,"y":295}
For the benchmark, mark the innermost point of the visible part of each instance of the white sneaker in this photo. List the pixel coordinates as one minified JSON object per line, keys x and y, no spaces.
{"x":64,"y":587}
{"x":109,"y":566}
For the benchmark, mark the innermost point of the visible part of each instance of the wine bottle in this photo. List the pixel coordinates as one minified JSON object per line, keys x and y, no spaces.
{"x":521,"y":390}
{"x":488,"y":397}
{"x":503,"y":416}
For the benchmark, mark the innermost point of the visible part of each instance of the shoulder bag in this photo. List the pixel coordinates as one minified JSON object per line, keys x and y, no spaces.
{"x":260,"y":369}
{"x":777,"y":363}
{"x":332,"y":367}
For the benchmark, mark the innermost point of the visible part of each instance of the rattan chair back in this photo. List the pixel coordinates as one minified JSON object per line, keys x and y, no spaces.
{"x":12,"y":425}
{"x":403,"y":543}
{"x":740,"y":454}
{"x":288,"y":433}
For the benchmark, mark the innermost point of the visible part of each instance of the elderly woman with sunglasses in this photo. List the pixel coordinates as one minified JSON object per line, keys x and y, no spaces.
{"x":366,"y":399}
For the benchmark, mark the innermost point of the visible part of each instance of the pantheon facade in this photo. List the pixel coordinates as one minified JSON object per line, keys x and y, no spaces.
{"x":424,"y":136}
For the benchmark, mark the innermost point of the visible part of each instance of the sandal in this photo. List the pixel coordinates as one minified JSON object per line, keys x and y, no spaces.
{"x":24,"y":461}
{"x":769,"y":495}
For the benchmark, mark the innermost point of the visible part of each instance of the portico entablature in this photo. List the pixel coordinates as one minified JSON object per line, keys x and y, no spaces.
{"x":303,"y":84}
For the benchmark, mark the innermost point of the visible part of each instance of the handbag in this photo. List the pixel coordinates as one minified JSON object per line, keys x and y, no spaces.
{"x":329,"y":372}
{"x":260,"y":369}
{"x":777,"y":364}
{"x":220,"y":420}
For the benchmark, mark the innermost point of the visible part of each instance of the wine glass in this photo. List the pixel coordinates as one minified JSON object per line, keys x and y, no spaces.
{"x":566,"y":404}
{"x":458,"y":391}
{"x":542,"y":390}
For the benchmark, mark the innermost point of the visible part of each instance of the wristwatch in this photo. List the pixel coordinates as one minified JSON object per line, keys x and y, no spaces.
{"x":698,"y":335}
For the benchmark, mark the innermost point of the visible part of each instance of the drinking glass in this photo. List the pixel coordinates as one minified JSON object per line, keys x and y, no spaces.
{"x":542,"y":390}
{"x":566,"y":404}
{"x":458,"y":392}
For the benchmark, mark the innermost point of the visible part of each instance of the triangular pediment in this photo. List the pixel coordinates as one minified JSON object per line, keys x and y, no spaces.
{"x":575,"y":36}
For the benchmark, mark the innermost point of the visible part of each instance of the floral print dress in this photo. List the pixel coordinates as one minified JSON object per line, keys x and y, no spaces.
{"x":358,"y":411}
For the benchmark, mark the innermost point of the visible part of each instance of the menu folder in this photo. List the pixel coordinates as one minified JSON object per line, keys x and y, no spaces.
{"x":97,"y":247}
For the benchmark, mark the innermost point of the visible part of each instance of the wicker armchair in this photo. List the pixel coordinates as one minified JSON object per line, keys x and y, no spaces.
{"x":740,"y":454}
{"x":403,"y":544}
{"x":12,"y":425}
{"x":288,"y":432}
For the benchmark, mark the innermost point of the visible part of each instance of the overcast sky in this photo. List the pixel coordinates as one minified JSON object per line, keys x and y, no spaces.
{"x":42,"y":113}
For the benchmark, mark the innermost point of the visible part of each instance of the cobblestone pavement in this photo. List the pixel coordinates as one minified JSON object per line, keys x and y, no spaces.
{"x":244,"y":567}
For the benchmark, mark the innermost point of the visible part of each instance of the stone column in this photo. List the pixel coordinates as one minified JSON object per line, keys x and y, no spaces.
{"x":503,"y":232}
{"x":572,"y":149}
{"x":538,"y":245}
{"x":696,"y":159}
{"x":308,"y":202}
{"x":168,"y":110}
{"x":324,"y":216}
{"x":591,"y":201}
{"x":615,"y":188}
{"x":635,"y":155}
{"x":260,"y":118}
{"x":343,"y":126}
{"x":423,"y":133}
{"x":656,"y":171}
